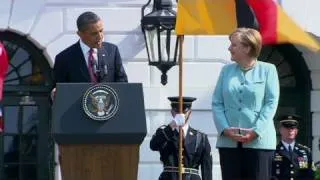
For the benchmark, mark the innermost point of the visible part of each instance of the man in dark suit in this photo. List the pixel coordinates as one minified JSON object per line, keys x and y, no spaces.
{"x":90,"y":59}
{"x":196,"y":148}
{"x":291,"y":160}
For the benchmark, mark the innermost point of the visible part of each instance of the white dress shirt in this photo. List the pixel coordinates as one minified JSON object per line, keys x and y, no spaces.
{"x":185,"y":129}
{"x":286,"y":145}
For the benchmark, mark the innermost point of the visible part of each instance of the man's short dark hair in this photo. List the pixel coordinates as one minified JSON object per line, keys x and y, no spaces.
{"x":85,"y":19}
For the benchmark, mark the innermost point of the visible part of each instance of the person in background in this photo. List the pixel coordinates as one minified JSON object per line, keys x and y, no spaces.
{"x":292,"y":160}
{"x":196,"y":148}
{"x":244,"y":103}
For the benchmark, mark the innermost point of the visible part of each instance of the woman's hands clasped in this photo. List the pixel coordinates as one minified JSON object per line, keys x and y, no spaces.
{"x":240,"y":135}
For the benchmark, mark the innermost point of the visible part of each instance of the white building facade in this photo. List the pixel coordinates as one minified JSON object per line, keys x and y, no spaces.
{"x":51,"y":26}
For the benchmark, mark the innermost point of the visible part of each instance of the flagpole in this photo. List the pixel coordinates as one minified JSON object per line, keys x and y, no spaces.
{"x":181,"y":166}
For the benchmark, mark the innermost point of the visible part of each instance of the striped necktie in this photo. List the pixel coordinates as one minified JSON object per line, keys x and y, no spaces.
{"x":91,"y":64}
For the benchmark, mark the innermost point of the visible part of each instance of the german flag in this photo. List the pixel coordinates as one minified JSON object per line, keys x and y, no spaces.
{"x":221,"y":17}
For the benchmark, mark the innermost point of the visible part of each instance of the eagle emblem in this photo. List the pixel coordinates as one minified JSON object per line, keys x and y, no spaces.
{"x":100,"y":102}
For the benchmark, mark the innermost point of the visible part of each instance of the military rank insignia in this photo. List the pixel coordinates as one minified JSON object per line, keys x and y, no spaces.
{"x":277,"y":157}
{"x":303,"y":162}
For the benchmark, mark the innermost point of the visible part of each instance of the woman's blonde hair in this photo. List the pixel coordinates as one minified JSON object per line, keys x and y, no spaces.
{"x":249,"y":37}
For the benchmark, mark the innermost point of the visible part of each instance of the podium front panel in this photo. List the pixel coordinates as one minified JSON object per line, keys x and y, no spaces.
{"x":71,"y":125}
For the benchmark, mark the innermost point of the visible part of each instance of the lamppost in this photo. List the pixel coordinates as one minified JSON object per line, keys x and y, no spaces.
{"x":161,"y":42}
{"x":163,"y":48}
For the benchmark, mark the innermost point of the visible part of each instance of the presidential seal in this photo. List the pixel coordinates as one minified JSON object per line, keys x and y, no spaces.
{"x":100,"y":102}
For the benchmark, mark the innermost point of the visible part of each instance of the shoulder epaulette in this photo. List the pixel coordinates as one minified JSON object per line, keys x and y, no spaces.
{"x":196,"y":131}
{"x":304,"y":147}
{"x":164,"y":132}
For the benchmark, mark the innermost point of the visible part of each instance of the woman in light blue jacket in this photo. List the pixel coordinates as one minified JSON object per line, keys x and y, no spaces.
{"x":244,"y":103}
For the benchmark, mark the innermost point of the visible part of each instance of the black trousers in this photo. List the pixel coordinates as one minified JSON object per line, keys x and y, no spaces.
{"x":245,"y":163}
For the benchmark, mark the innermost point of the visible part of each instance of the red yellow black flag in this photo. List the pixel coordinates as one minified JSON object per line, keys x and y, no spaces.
{"x":221,"y":17}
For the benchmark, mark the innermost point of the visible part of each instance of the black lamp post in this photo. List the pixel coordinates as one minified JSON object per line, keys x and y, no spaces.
{"x":161,"y":42}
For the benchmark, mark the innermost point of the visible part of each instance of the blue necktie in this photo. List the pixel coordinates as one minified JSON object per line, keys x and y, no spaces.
{"x":290,"y":151}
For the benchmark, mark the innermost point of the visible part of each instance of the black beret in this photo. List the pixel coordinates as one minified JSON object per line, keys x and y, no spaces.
{"x":290,"y":121}
{"x":187,"y":102}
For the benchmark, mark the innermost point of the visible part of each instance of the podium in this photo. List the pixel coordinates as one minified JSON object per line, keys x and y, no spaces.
{"x":99,"y":129}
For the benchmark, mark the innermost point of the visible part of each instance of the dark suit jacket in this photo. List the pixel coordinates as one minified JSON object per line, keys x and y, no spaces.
{"x":196,"y":153}
{"x":70,"y":65}
{"x":298,"y":167}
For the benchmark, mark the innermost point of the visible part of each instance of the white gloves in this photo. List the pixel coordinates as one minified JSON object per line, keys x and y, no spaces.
{"x":53,"y":94}
{"x":179,"y":119}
